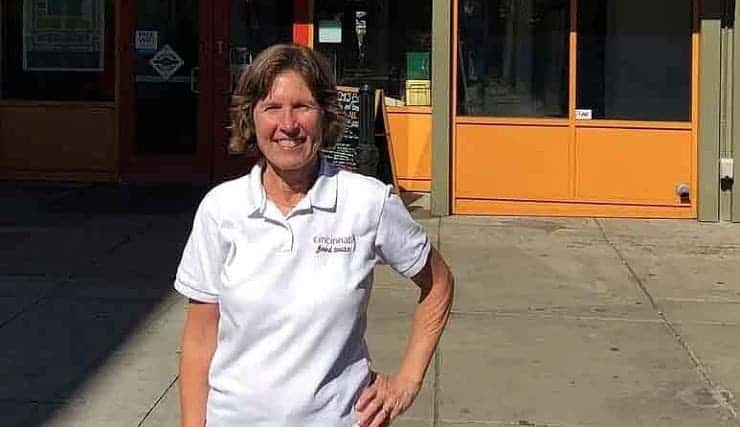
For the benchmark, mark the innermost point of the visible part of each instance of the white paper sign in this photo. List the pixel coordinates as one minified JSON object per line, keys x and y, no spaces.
{"x":330,"y":31}
{"x":584,"y":114}
{"x":147,"y":40}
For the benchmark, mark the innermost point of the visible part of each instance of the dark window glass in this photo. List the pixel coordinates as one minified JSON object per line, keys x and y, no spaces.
{"x":634,"y":59}
{"x":57,"y":50}
{"x":385,"y":43}
{"x":256,"y":25}
{"x":513,"y":58}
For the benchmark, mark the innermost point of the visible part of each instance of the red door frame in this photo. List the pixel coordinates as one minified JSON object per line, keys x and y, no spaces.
{"x":303,"y":22}
{"x":164,"y":168}
{"x":211,"y":160}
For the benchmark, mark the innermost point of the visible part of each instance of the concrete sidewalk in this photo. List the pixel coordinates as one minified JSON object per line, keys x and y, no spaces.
{"x":557,"y":322}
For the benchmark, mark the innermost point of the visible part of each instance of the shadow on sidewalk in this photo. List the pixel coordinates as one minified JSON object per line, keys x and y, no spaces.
{"x":83,"y":267}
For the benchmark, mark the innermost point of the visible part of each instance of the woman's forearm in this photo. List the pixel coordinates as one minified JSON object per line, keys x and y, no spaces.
{"x":430,"y":317}
{"x":198,"y":346}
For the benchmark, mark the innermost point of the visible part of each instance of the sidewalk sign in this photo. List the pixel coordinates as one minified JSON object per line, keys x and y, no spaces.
{"x":351,"y":152}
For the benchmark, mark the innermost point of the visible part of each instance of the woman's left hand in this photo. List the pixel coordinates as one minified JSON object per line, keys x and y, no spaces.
{"x":387,"y":397}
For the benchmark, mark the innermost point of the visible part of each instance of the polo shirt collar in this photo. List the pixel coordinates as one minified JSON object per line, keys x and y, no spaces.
{"x":256,"y":198}
{"x":322,"y":195}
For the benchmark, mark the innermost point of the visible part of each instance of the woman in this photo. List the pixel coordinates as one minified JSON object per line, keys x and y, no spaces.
{"x":278,"y":270}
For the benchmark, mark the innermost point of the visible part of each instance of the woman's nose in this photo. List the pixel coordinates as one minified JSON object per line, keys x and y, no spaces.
{"x":288,"y":120}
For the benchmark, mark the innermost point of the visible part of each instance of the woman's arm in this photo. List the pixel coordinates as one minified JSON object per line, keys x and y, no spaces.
{"x":391,"y":395}
{"x":198,"y":345}
{"x":430,"y":317}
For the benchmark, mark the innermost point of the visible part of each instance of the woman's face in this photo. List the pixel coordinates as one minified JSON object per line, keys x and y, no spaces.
{"x":287,"y":124}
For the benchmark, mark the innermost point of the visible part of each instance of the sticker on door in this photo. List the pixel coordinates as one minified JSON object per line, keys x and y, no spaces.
{"x":166,"y":62}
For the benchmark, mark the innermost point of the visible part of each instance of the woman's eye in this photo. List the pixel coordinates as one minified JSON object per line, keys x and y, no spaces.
{"x":306,"y":107}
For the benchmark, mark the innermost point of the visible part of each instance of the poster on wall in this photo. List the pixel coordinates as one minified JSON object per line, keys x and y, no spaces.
{"x":63,"y":35}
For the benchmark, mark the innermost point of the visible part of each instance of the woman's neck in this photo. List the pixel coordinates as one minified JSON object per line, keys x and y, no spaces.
{"x":287,"y":188}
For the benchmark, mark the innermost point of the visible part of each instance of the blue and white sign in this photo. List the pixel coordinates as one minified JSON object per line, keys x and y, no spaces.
{"x":147,"y":41}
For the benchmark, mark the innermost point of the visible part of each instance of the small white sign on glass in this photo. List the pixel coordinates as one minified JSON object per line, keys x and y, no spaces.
{"x":583,"y":114}
{"x":330,"y":31}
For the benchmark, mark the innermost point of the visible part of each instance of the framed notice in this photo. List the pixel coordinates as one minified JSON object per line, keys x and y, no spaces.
{"x":63,"y":35}
{"x":330,"y":31}
{"x":146,"y":41}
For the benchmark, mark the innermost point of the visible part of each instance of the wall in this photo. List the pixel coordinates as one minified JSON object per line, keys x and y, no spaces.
{"x":70,"y":141}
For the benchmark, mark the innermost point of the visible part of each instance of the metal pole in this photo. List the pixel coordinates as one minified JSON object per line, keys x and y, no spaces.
{"x":366,"y":152}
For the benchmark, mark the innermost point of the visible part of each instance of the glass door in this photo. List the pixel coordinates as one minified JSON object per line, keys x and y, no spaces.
{"x":169,"y":94}
{"x":180,"y":67}
{"x":244,"y":28}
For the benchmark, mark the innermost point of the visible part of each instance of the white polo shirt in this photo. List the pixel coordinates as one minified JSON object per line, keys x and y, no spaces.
{"x":293,"y":294}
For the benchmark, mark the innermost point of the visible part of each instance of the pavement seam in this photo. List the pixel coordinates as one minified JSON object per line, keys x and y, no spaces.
{"x":44,"y":295}
{"x":545,"y":316}
{"x":34,"y":402}
{"x":435,"y":389}
{"x":159,"y":399}
{"x":719,"y":393}
{"x":438,"y":350}
{"x":521,"y":423}
{"x":712,"y":300}
{"x":159,"y":313}
{"x":129,"y":237}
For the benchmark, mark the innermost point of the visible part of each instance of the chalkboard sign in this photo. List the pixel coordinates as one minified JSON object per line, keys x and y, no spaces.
{"x":373,"y":158}
{"x":342,"y":154}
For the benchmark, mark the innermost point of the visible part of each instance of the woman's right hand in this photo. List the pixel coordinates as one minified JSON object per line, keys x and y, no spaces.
{"x":386,"y":398}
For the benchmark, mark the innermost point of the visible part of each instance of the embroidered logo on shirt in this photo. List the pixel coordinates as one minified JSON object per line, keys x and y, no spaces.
{"x":334,"y":244}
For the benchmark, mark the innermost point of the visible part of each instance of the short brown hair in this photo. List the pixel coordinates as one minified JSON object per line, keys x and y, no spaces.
{"x":256,"y":82}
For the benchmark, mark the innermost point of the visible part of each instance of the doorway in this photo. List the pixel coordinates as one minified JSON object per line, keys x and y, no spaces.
{"x":178,"y":73}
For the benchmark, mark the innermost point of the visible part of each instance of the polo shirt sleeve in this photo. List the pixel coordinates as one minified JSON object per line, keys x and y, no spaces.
{"x":400,"y":241}
{"x":199,"y":271}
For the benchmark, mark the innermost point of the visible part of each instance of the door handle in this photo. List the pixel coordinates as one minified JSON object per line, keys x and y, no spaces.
{"x":194,"y":80}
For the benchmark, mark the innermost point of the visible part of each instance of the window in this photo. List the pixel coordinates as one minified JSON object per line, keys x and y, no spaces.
{"x":256,"y":25}
{"x":513,"y":58}
{"x":57,"y":50}
{"x":634,"y":59}
{"x":384,"y":43}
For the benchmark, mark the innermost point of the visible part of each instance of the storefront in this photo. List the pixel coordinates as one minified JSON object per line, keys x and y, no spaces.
{"x":139,"y":90}
{"x":575,"y":107}
{"x":530,"y":107}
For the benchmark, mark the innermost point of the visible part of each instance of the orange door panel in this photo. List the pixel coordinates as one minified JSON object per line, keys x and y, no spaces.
{"x":632,"y":165}
{"x":412,"y":145}
{"x":512,"y":162}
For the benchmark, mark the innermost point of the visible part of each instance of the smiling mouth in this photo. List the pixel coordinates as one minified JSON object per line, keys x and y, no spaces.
{"x":290,"y":143}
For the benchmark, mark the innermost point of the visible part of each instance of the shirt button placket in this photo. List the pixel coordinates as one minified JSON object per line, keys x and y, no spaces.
{"x":288,"y":240}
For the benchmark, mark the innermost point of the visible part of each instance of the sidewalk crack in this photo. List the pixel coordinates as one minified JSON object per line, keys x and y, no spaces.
{"x":159,"y":399}
{"x":44,"y":295}
{"x":718,"y":392}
